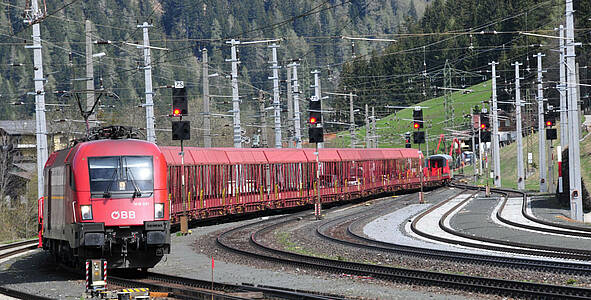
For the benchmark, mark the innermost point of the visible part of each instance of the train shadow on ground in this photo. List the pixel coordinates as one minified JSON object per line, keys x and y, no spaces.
{"x":38,"y":266}
{"x":291,"y":210}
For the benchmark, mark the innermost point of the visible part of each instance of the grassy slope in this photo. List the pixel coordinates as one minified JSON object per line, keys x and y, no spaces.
{"x":509,"y":163}
{"x":391,"y":129}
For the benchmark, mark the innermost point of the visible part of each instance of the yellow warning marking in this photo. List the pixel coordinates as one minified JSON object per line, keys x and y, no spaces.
{"x":140,"y":290}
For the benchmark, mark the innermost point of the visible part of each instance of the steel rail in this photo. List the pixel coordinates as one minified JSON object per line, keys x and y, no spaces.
{"x":583,"y":231}
{"x":543,"y":250}
{"x":20,"y":295}
{"x":32,"y":246}
{"x":270,"y":291}
{"x":18,"y":244}
{"x":513,"y":247}
{"x":178,"y":292}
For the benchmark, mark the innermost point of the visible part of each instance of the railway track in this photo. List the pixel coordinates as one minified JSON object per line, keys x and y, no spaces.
{"x":17,"y":248}
{"x":548,"y":227}
{"x":491,"y":243}
{"x":460,"y":282}
{"x":188,"y":288}
{"x":9,"y":250}
{"x":351,"y":238}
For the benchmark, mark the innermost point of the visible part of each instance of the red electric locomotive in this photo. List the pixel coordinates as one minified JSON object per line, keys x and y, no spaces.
{"x":107,"y":199}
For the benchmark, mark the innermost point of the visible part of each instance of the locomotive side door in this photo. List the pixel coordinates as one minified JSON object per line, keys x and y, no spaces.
{"x":48,"y":201}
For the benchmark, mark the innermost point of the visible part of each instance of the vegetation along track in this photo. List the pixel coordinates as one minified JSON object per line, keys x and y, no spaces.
{"x":351,"y":238}
{"x":407,"y":276}
{"x":188,"y":288}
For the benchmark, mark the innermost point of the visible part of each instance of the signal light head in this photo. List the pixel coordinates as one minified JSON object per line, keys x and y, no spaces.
{"x":313,"y":120}
{"x":549,"y":124}
{"x":176,"y":112}
{"x":416,"y":125}
{"x":483,"y":126}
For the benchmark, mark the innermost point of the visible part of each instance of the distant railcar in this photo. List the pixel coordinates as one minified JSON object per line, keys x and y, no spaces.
{"x":440,"y":165}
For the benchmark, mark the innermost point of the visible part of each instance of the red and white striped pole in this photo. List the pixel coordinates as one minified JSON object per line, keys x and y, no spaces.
{"x":105,"y":272}
{"x":87,"y":268}
{"x":559,"y":157}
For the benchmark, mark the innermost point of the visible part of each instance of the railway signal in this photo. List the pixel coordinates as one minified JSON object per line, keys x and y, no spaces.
{"x":484,"y":121}
{"x":407,"y":140}
{"x":181,"y":130}
{"x":315,"y":132}
{"x":551,"y":134}
{"x":550,"y":121}
{"x":180,"y":104}
{"x":418,"y":137}
{"x":315,"y":112}
{"x":550,"y":118}
{"x":417,"y":117}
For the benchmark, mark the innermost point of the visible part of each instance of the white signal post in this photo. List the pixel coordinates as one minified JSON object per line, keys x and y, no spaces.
{"x":296,"y":105}
{"x":564,"y":128}
{"x":40,"y":123}
{"x":520,"y":169}
{"x":276,"y":104}
{"x":541,"y":132}
{"x":235,"y":98}
{"x":574,"y":157}
{"x":495,"y":127}
{"x":151,"y":133}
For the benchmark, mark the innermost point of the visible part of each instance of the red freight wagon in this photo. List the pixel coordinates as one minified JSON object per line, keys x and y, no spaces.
{"x":222,"y":181}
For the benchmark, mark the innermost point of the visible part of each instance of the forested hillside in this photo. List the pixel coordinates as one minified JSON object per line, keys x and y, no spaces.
{"x":310,"y":30}
{"x":468,"y":35}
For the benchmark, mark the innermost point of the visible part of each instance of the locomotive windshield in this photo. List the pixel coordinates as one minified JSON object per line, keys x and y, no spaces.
{"x":119,"y":176}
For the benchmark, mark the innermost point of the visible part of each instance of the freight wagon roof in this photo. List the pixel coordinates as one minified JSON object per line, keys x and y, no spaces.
{"x":278,"y":156}
{"x":195,"y":156}
{"x":324,"y":155}
{"x":372,"y":154}
{"x":409,"y":153}
{"x":392,"y":153}
{"x":224,"y":156}
{"x":245,"y":156}
{"x":350,"y":154}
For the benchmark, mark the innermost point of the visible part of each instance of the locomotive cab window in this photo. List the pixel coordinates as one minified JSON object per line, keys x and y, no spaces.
{"x":121,"y":176}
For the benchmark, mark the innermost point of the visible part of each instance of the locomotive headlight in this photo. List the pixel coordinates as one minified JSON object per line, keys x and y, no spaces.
{"x":86,"y":211}
{"x":159,"y":210}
